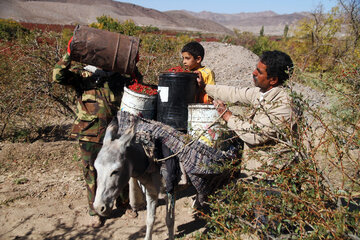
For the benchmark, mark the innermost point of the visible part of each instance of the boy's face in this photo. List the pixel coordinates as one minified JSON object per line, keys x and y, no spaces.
{"x":190,"y":62}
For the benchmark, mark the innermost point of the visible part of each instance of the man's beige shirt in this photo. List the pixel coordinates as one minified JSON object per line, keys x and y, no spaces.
{"x":269,"y":113}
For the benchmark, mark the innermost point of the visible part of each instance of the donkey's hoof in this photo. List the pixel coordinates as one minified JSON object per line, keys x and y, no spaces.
{"x":131,"y":213}
{"x":95,"y":221}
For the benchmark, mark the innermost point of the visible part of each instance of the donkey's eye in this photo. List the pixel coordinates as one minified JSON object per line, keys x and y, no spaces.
{"x":114,"y":173}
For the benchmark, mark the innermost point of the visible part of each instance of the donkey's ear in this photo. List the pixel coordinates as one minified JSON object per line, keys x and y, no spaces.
{"x":111,"y":131}
{"x":126,"y":138}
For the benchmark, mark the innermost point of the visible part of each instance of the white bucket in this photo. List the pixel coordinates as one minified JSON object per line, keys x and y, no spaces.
{"x":200,"y":116}
{"x":138,"y":104}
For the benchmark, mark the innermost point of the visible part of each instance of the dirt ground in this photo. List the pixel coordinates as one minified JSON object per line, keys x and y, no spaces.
{"x":42,"y":196}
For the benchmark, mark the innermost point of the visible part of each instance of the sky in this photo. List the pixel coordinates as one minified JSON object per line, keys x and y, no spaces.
{"x":236,"y":6}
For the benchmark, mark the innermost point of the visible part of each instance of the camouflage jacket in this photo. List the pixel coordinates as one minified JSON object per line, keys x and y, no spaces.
{"x":98,"y":99}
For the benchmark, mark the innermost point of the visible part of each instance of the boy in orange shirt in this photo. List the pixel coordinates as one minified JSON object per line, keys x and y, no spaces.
{"x":192,"y":55}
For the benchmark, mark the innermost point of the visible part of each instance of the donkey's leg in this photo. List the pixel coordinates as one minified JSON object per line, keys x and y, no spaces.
{"x":170,"y":213}
{"x":136,"y":195}
{"x":151,"y":201}
{"x":152,"y":185}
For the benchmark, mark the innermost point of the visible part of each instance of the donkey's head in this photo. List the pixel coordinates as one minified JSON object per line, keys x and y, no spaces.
{"x":113,"y":167}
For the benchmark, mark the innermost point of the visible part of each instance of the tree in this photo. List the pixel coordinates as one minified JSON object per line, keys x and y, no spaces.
{"x":286,"y":30}
{"x":317,"y":45}
{"x":262,"y":31}
{"x":351,"y":10}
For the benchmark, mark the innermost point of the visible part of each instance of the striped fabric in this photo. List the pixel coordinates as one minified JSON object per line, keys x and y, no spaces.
{"x":198,"y":159}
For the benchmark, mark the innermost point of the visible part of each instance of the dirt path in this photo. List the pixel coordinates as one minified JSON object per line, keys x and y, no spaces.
{"x":62,"y":219}
{"x":42,"y":196}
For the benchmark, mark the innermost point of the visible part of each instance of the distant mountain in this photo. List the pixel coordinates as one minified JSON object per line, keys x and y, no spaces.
{"x":86,"y":11}
{"x":273,"y":23}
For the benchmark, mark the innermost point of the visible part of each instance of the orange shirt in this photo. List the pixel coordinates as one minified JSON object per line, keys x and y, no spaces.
{"x":209,"y":78}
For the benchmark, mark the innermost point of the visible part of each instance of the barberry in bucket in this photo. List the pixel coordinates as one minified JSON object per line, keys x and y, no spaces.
{"x":177,"y":69}
{"x":140,"y":88}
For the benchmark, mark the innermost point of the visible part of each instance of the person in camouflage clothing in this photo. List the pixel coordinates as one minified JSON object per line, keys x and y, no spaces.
{"x":98,"y":100}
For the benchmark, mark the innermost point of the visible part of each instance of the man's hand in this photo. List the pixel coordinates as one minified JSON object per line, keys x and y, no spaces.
{"x":222,"y":109}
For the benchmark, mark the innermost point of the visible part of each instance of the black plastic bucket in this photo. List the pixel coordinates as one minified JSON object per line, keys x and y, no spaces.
{"x":176,"y":91}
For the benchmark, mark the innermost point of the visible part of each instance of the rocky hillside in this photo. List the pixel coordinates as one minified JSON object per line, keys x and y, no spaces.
{"x":86,"y":11}
{"x":252,"y":22}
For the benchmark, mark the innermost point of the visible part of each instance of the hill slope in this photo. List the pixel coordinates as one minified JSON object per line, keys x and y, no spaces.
{"x":86,"y":11}
{"x":252,"y":22}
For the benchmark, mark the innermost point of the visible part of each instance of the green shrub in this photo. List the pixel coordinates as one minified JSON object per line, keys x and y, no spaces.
{"x":158,"y":44}
{"x":10,"y":29}
{"x":263,"y":44}
{"x":113,"y":25}
{"x":66,"y":35}
{"x":150,"y":29}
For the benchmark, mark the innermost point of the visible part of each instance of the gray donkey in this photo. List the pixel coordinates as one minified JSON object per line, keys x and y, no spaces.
{"x":118,"y":160}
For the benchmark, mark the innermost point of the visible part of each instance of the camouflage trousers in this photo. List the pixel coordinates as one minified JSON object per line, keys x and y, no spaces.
{"x":89,"y":152}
